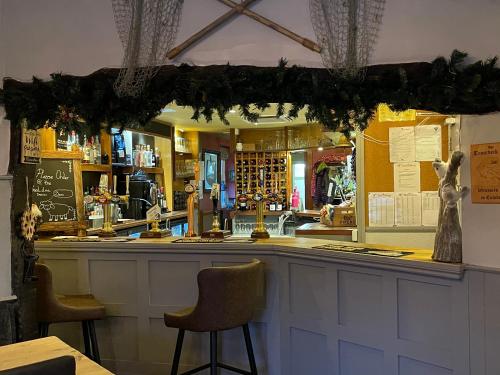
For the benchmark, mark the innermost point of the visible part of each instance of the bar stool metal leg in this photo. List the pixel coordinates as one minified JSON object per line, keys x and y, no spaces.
{"x":93,"y":342}
{"x":177,"y":354}
{"x":86,"y":338}
{"x":251,"y":356}
{"x":213,"y":353}
{"x":43,"y":329}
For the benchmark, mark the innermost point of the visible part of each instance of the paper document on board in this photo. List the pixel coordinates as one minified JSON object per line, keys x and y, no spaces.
{"x":408,"y":209}
{"x":430,"y":208}
{"x":428,"y":142}
{"x":407,"y":177}
{"x":402,"y":144}
{"x":381,"y":209}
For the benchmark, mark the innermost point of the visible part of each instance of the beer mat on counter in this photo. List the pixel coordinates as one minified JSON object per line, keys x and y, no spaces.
{"x":239,"y":240}
{"x":91,"y":239}
{"x":388,"y":253}
{"x":76,"y":239}
{"x":117,"y":239}
{"x":335,"y":247}
{"x":362,"y":250}
{"x":198,"y":240}
{"x":214,"y":240}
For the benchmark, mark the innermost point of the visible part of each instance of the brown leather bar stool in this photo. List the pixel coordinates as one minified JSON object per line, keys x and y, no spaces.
{"x":227,"y":299}
{"x":52,"y":308}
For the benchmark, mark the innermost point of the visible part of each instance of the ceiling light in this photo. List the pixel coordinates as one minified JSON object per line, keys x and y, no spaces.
{"x":232,"y":111}
{"x":320,"y":148}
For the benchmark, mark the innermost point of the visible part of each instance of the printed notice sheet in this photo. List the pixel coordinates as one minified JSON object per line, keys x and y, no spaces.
{"x":402,"y":144}
{"x":407,"y":177}
{"x":408,"y":209}
{"x":428,"y":142}
{"x":381,"y":209}
{"x":430,"y":208}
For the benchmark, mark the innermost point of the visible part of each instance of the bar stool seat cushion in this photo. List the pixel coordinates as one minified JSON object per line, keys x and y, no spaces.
{"x":53,"y":308}
{"x":227,"y":297}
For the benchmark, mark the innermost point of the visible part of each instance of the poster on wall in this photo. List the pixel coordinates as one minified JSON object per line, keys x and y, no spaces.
{"x":485,"y":173}
{"x":402,"y":144}
{"x":30,"y":146}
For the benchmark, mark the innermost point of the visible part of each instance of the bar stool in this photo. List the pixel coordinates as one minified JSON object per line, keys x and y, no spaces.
{"x":52,"y":308}
{"x":227,"y":298}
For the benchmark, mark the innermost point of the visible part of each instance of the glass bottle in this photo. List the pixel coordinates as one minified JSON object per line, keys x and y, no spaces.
{"x":98,"y":150}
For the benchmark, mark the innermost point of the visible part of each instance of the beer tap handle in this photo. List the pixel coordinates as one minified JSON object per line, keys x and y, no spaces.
{"x":115,"y":179}
{"x":127,"y":184}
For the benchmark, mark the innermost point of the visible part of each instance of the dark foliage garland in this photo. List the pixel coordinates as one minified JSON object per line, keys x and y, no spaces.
{"x":445,"y":86}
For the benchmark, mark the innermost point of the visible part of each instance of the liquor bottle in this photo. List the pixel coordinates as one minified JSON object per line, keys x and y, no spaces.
{"x":141,"y":156}
{"x":157,"y":157}
{"x":86,"y":152}
{"x":153,"y":159}
{"x":92,"y":153}
{"x":149,"y":157}
{"x":98,"y":150}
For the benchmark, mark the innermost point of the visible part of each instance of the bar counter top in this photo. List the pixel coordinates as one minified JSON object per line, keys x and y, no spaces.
{"x":419,"y":262}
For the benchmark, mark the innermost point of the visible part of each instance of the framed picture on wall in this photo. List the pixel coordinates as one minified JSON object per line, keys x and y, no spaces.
{"x":211,"y":159}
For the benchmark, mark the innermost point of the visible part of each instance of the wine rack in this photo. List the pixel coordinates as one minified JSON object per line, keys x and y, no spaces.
{"x":276,"y":172}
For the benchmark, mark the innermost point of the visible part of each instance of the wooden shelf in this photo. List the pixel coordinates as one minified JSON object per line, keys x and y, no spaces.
{"x":149,"y":170}
{"x":103,"y":168}
{"x":184,"y":176}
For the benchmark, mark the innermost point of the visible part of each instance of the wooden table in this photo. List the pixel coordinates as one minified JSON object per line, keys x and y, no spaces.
{"x":28,"y":352}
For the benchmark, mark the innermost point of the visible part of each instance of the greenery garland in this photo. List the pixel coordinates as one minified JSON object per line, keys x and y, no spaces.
{"x":448,"y":86}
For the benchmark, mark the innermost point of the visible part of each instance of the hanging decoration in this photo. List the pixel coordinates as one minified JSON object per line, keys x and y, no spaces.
{"x":147,"y":29}
{"x":447,"y":86}
{"x":347,"y":32}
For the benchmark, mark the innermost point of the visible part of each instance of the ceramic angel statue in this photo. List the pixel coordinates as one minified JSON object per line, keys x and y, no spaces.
{"x":448,"y":242}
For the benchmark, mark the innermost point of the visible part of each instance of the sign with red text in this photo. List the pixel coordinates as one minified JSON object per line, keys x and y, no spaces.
{"x":485,"y":173}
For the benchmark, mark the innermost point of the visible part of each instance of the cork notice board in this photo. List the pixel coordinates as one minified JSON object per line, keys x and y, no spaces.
{"x":485,"y":173}
{"x":379,"y":171}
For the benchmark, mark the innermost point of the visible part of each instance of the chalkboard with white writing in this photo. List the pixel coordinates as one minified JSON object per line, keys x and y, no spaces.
{"x":54,"y":190}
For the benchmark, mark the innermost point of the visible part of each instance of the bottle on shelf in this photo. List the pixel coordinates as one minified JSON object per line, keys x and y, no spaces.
{"x":157,"y":158}
{"x":86,"y":151}
{"x":92,"y":152}
{"x":153,"y":158}
{"x":97,"y":150}
{"x":148,"y":157}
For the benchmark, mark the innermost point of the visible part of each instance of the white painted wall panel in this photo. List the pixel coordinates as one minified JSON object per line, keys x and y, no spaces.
{"x":480,"y":222}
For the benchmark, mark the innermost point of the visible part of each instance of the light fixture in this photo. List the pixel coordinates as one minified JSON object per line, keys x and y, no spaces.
{"x":320,"y":148}
{"x":232,"y":111}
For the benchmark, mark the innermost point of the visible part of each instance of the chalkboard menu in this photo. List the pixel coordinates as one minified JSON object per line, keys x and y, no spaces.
{"x":54,"y":190}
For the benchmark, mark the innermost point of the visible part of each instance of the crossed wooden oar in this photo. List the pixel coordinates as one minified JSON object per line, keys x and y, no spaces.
{"x":241,"y":9}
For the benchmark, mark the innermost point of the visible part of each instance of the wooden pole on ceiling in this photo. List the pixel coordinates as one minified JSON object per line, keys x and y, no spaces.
{"x":207,"y":29}
{"x":273,"y":25}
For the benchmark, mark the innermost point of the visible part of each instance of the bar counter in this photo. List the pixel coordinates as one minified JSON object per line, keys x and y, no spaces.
{"x":382,"y":313}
